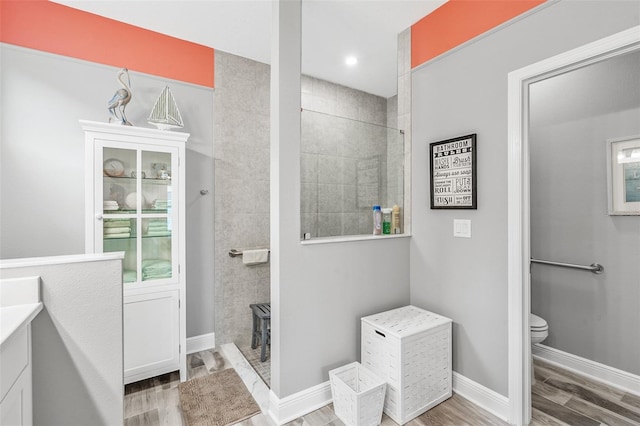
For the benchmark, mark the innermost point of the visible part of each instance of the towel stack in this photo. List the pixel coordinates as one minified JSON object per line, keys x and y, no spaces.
{"x":110,"y":205}
{"x":118,"y":228}
{"x":161,"y":204}
{"x":157,"y":228}
{"x":129,"y":276}
{"x":153,"y":269}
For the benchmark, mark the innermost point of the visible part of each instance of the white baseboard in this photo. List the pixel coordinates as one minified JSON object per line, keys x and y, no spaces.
{"x":201,"y":343}
{"x":592,"y":369}
{"x":297,"y":405}
{"x":481,"y":396}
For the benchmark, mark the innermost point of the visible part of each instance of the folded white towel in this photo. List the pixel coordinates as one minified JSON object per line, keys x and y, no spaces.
{"x":254,"y":257}
{"x":110,"y":205}
{"x":121,"y":235}
{"x":117,"y":223}
{"x":116,"y":230}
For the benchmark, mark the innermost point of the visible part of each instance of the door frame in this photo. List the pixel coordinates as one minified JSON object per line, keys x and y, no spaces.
{"x":519,"y":285}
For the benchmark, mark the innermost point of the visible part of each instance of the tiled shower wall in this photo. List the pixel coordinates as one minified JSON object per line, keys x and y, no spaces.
{"x":343,"y":158}
{"x":241,"y":161}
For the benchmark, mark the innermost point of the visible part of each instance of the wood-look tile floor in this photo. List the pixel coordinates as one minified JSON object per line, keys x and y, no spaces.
{"x":456,"y":411}
{"x":560,"y":397}
{"x":156,"y":401}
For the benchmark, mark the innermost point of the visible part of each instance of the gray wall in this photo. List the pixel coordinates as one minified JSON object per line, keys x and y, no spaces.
{"x":320,"y":291}
{"x":465,"y":92}
{"x":76,"y":340}
{"x":592,"y":316}
{"x":241,"y":192}
{"x":43,"y":168}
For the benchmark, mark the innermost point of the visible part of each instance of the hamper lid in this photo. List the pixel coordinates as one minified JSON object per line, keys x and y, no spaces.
{"x":405,"y":321}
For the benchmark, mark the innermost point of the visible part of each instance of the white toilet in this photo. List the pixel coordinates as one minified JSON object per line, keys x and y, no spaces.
{"x":539,"y":329}
{"x":539,"y":332}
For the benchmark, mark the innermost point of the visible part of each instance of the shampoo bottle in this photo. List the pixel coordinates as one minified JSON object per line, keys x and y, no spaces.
{"x":386,"y":221}
{"x":377,"y":220}
{"x":395,"y":220}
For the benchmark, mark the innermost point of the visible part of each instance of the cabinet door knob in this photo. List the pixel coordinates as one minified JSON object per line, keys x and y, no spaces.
{"x":99,"y":216}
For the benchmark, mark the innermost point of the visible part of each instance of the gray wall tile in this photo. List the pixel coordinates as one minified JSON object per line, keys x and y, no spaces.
{"x":329,"y":224}
{"x":309,"y":198}
{"x":308,"y":168}
{"x":242,"y":160}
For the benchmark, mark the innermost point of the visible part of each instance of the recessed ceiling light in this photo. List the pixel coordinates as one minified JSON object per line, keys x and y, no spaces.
{"x":351,"y":60}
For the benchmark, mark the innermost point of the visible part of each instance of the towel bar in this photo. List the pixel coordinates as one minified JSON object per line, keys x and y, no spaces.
{"x":236,"y":252}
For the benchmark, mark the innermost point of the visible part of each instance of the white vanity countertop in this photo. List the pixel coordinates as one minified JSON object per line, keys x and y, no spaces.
{"x":14,"y":317}
{"x":20,"y":302}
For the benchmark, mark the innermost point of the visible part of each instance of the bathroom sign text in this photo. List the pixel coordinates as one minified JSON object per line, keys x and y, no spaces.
{"x":453,"y":173}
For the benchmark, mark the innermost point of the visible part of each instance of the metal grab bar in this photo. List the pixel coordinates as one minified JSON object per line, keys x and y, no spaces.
{"x":596,"y":268}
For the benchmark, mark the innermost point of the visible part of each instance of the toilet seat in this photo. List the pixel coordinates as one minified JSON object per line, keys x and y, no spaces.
{"x":539,"y":329}
{"x":538,"y":324}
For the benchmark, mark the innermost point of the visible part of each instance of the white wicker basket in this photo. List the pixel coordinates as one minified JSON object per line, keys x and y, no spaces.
{"x":410,"y":349}
{"x":358,"y":395}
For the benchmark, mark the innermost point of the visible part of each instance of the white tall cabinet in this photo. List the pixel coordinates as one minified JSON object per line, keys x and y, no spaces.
{"x":135,"y":185}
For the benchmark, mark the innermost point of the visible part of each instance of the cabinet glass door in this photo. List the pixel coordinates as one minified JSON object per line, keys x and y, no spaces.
{"x":137,"y":213}
{"x":157,"y":215}
{"x":119,"y":201}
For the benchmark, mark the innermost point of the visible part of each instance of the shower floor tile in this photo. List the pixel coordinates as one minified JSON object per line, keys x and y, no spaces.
{"x":262,"y":368}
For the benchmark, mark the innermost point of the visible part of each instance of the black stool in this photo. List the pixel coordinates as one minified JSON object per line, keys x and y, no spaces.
{"x":261,"y":327}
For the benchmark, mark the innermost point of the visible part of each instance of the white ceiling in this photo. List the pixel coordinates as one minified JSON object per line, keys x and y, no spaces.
{"x":331,"y":30}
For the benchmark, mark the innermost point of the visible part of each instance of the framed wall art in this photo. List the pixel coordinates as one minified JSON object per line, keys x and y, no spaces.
{"x":623,"y":175}
{"x":453,"y":173}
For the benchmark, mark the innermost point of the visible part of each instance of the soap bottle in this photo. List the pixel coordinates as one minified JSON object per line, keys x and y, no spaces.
{"x":395,"y":219}
{"x":377,"y":220}
{"x":386,"y":221}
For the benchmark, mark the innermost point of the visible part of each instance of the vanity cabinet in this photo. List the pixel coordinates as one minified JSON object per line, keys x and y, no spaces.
{"x":15,"y":381}
{"x":135,"y":204}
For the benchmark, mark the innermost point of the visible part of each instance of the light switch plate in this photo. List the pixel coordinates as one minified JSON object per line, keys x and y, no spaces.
{"x":462,"y":228}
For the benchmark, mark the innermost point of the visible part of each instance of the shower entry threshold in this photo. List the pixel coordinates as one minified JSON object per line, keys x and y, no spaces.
{"x":259,"y":390}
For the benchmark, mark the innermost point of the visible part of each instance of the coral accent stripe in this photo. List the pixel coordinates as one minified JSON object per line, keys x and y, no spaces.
{"x":59,"y":29}
{"x":458,"y":21}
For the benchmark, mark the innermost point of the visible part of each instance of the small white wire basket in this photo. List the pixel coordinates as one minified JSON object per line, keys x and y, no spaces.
{"x":358,"y":395}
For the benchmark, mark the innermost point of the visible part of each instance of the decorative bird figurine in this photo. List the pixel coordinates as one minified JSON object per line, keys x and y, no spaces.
{"x":121,"y":98}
